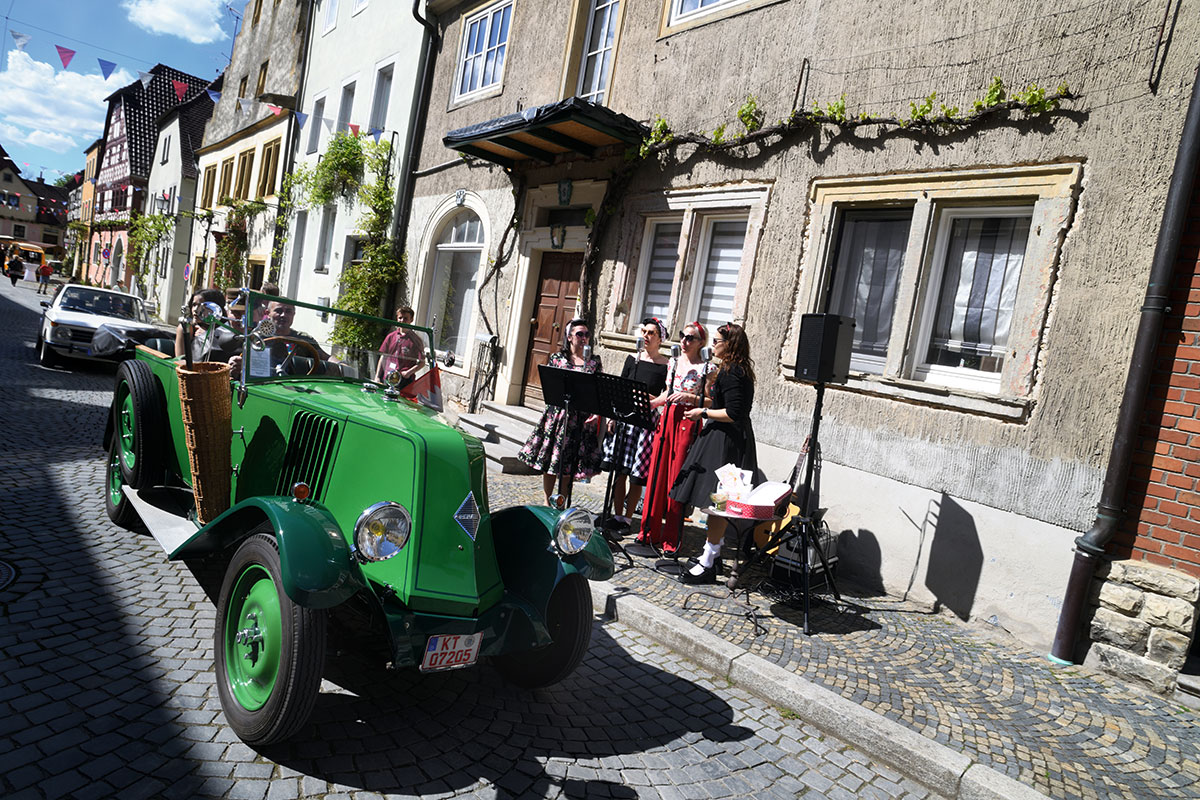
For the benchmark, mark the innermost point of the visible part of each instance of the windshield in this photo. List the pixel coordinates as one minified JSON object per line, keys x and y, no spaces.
{"x":107,"y":304}
{"x":289,"y":339}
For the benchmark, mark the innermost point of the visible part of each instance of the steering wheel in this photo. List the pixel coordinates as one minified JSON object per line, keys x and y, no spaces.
{"x":306,"y":345}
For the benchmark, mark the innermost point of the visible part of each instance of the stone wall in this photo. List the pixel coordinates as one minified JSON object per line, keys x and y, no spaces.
{"x":1143,"y":621}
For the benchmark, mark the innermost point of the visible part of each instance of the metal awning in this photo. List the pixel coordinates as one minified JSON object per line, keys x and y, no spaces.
{"x":542,"y":133}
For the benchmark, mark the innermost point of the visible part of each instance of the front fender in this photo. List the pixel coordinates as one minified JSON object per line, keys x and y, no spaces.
{"x":318,"y":570}
{"x":529,"y":562}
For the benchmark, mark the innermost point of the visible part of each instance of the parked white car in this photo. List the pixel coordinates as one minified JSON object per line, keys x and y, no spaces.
{"x":71,"y":318}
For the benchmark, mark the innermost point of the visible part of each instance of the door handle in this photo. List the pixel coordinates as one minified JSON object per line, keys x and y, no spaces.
{"x":533,"y":320}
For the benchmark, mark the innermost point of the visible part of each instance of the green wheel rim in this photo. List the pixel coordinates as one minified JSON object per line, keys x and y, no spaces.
{"x":253,"y":633}
{"x":125,"y":428}
{"x":115,"y":495}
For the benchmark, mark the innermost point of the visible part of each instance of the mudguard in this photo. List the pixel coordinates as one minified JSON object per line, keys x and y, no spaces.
{"x":529,"y":562}
{"x":318,"y":570}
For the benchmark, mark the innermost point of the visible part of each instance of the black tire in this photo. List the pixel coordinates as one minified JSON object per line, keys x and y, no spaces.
{"x":46,"y":356}
{"x":286,"y":691}
{"x":139,"y":425}
{"x":569,"y":618}
{"x":116,"y":504}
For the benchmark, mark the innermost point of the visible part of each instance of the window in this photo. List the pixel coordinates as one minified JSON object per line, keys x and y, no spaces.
{"x":722,"y":263}
{"x":663,"y":245}
{"x":18,"y":231}
{"x":257,"y":12}
{"x":268,"y":168}
{"x":8,"y":177}
{"x":314,"y":125}
{"x":300,"y":234}
{"x":947,"y":275}
{"x":331,"y":9}
{"x":210,"y":181}
{"x":359,"y":5}
{"x":325,"y":242}
{"x":261,"y":86}
{"x":49,"y":238}
{"x":166,"y":149}
{"x":383,"y":92}
{"x":451,"y":296}
{"x":242,"y":86}
{"x":688,"y":10}
{"x":481,"y":57}
{"x":96,"y":252}
{"x":245,"y":169}
{"x":599,"y":46}
{"x":345,"y":107}
{"x":226,"y":180}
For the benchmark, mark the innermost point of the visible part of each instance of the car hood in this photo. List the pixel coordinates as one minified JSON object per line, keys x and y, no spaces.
{"x":84,"y":319}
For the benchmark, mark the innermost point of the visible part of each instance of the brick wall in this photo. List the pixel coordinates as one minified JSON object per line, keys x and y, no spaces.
{"x":1162,"y":525}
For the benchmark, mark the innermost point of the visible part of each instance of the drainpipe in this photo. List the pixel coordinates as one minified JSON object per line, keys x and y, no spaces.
{"x":1110,"y":510}
{"x":416,"y":127}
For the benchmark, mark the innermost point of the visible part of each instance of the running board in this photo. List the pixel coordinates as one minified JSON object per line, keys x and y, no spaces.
{"x":164,"y":513}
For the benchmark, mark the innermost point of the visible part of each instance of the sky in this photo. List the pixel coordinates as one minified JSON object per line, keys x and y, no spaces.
{"x":49,"y":114}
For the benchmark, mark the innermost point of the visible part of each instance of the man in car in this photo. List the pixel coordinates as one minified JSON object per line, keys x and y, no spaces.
{"x":277,"y":325}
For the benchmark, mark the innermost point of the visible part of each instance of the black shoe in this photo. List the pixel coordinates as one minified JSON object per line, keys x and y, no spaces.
{"x":707,"y":574}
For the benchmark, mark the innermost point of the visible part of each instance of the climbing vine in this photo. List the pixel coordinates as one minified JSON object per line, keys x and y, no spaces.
{"x":233,"y":246}
{"x":146,"y":233}
{"x":337,"y":176}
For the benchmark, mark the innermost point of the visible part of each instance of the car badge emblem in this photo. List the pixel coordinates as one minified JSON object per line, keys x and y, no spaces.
{"x":467,"y":516}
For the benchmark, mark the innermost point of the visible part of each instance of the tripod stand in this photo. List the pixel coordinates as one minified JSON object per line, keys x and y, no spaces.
{"x":803,"y":528}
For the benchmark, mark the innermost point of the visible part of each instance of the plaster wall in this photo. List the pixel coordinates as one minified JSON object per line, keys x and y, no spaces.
{"x":165,"y":285}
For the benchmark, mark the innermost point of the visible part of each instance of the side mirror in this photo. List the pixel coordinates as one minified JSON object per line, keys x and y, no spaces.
{"x":448,"y":358}
{"x":45,"y":304}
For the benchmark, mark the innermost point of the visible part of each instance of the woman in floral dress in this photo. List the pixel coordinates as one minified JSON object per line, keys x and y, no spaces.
{"x":561,"y":447}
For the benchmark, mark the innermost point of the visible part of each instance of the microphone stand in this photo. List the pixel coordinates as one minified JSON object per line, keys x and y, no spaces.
{"x":648,"y":549}
{"x":670,"y":566}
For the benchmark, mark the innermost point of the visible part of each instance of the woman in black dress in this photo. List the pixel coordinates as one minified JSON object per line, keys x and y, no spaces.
{"x":727,"y":438}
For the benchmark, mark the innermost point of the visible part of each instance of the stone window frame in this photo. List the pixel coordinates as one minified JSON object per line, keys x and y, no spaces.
{"x":1049,"y":190}
{"x":672,"y":22}
{"x":696,"y":208}
{"x":575,"y":54}
{"x":483,"y":10}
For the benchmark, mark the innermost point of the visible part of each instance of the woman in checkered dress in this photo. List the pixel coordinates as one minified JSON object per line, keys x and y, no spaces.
{"x":627,"y":448}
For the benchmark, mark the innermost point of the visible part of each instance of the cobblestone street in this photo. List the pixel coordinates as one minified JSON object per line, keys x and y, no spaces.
{"x":106,"y":685}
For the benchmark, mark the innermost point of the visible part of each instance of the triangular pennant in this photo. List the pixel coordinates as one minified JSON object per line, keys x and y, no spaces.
{"x":376,"y":133}
{"x":106,"y":67}
{"x":353,"y":129}
{"x":328,"y":122}
{"x":301,"y":119}
{"x":276,"y":110}
{"x":214,"y":96}
{"x":181,"y":88}
{"x":21,"y":39}
{"x":65,"y":53}
{"x":145,"y":78}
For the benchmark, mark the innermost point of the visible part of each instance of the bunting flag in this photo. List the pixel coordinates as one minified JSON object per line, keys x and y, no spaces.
{"x":65,"y":53}
{"x":276,"y":110}
{"x":301,"y":119}
{"x":353,"y":129}
{"x":106,"y":67}
{"x":181,"y":88}
{"x":376,"y":133}
{"x":214,"y":96}
{"x":21,"y":39}
{"x":328,"y":123}
{"x":145,"y":78}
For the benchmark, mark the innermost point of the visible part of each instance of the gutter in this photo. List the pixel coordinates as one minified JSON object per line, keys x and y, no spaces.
{"x":1110,"y":511}
{"x":418,"y":114}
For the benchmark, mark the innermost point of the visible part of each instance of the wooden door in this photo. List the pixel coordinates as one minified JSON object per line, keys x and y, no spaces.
{"x":558,"y":291}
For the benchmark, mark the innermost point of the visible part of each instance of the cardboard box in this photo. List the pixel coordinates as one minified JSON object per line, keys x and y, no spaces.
{"x":761,"y":502}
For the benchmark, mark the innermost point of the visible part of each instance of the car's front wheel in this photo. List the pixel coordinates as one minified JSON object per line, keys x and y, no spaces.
{"x":569,"y":619}
{"x":139,"y":425}
{"x":270,"y":652}
{"x":46,"y":355}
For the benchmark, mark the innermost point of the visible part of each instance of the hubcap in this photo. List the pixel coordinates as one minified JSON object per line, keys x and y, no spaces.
{"x":125,"y":429}
{"x":253,"y":631}
{"x":115,"y":495}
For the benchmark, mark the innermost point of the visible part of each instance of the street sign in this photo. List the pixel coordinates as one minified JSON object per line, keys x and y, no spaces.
{"x":187,"y":271}
{"x":105,"y":252}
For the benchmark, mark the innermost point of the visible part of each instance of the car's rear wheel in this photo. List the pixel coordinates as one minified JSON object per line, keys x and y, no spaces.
{"x":270,"y":652}
{"x":116,"y":504}
{"x":139,"y":425}
{"x":569,"y":619}
{"x":46,"y":355}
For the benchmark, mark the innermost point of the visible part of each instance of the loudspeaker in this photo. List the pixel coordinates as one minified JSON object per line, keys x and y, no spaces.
{"x":823,"y":355}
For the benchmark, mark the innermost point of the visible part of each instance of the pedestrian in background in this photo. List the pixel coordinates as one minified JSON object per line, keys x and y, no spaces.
{"x":15,"y":267}
{"x":566,"y":447}
{"x":44,"y":272}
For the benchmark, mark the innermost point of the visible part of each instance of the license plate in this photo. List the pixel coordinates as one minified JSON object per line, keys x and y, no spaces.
{"x":451,"y":651}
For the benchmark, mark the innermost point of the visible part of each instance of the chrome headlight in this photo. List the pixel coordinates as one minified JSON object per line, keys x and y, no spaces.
{"x":573,"y":530}
{"x":60,"y":333}
{"x":382,"y":531}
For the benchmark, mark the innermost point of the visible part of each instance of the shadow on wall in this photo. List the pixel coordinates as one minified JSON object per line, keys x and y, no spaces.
{"x":953,"y":566}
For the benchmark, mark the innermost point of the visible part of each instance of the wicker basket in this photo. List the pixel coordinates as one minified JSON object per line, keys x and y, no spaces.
{"x":205,"y":399}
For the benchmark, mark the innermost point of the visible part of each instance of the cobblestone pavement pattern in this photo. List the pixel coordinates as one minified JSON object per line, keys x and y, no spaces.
{"x":106,"y":682}
{"x":1070,"y":732}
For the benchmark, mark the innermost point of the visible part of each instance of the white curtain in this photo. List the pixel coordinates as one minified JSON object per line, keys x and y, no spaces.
{"x":870,"y":255}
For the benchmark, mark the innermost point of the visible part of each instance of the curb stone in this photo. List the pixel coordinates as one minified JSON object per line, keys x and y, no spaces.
{"x":945,"y":771}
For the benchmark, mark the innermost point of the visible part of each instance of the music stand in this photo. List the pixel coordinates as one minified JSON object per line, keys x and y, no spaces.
{"x":571,"y":390}
{"x":622,"y":400}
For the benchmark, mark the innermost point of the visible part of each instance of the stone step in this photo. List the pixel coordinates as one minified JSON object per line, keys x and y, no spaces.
{"x":503,"y":431}
{"x":519,"y":414}
{"x":495,"y":428}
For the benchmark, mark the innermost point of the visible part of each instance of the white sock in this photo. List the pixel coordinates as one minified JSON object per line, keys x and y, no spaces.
{"x":710,"y":554}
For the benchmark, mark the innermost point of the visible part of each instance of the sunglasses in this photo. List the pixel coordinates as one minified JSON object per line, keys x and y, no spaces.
{"x":581,"y":334}
{"x":688,"y":337}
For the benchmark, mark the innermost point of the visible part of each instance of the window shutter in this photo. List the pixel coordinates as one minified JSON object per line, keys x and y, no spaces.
{"x":660,"y":272}
{"x":721,"y":273}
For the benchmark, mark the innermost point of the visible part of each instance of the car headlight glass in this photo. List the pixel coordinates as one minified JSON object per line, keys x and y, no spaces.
{"x":382,"y":531}
{"x":60,"y":333}
{"x":573,"y":530}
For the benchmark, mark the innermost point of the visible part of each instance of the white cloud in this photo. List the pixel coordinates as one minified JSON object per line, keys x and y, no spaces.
{"x":55,"y":109}
{"x":197,"y":21}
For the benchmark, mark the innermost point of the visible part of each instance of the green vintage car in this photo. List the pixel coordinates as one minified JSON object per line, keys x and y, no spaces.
{"x":350,"y":498}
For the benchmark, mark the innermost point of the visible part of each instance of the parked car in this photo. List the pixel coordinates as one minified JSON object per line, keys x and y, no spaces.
{"x":71,"y":317}
{"x":350,"y":504}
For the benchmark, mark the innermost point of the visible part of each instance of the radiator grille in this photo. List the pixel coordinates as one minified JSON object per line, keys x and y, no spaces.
{"x":309,"y":451}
